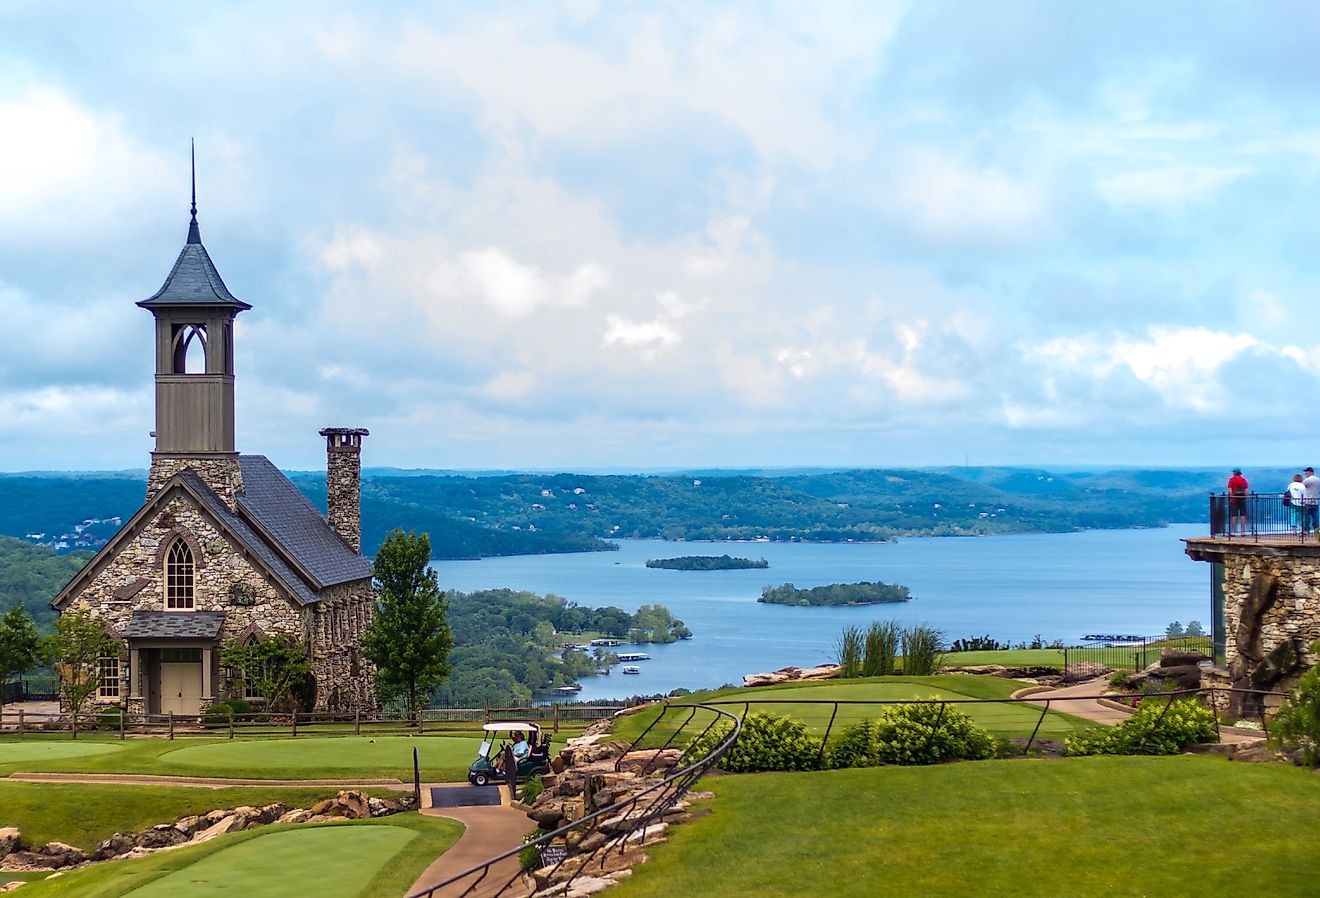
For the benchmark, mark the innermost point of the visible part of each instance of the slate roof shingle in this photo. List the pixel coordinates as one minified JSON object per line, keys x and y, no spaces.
{"x":286,"y":515}
{"x":193,"y":281}
{"x":174,"y":625}
{"x":302,"y":591}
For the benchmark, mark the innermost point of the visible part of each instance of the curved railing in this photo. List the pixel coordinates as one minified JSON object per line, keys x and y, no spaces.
{"x":623,"y":824}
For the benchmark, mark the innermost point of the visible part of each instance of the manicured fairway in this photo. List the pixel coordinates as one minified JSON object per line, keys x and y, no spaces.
{"x":343,"y":754}
{"x":33,"y":751}
{"x":365,"y":859}
{"x":334,"y":861}
{"x":1078,"y":827}
{"x":802,"y":701}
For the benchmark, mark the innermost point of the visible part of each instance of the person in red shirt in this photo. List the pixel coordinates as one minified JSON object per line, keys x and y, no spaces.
{"x":1237,"y":503}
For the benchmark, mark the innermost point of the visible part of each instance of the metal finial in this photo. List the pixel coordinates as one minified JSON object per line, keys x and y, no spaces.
{"x":194,"y":234}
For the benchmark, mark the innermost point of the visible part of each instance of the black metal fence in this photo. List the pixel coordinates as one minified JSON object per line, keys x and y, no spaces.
{"x":30,"y":689}
{"x":611,"y":830}
{"x":1136,"y":653}
{"x":1263,"y":515}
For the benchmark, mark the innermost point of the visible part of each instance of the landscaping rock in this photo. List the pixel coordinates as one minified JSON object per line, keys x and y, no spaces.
{"x":188,"y":825}
{"x":651,"y":761}
{"x":10,"y":840}
{"x":383,"y":807}
{"x":1180,"y":659}
{"x":352,"y":804}
{"x":272,"y":812}
{"x":229,"y":824}
{"x":63,"y":854}
{"x":298,"y":815}
{"x":161,"y":836}
{"x":28,"y":860}
{"x":117,"y":844}
{"x":11,"y":885}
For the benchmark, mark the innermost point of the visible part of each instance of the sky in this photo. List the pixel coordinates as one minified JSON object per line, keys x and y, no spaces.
{"x":580,"y":235}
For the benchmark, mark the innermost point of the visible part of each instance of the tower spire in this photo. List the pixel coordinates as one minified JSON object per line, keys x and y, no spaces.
{"x":194,"y":233}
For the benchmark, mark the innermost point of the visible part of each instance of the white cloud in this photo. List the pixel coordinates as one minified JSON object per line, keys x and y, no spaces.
{"x":1168,"y":186}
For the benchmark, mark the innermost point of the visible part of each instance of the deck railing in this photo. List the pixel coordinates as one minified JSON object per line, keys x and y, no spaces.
{"x":1258,"y":516}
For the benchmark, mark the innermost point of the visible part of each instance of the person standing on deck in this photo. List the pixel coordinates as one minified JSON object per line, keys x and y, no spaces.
{"x":1296,"y":495}
{"x":1237,"y":503}
{"x":1312,"y":485}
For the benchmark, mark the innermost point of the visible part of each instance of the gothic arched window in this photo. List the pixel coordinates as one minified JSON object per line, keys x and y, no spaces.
{"x":179,"y":575}
{"x":189,"y":348}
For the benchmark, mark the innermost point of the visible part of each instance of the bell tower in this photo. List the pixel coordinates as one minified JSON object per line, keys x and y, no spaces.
{"x":194,"y":313}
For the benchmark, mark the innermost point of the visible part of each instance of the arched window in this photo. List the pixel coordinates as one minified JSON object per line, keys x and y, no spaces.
{"x":179,"y":571}
{"x":189,"y":348}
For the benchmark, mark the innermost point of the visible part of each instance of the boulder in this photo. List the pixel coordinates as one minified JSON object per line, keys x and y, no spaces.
{"x":188,"y":825}
{"x":10,"y":840}
{"x":323,"y":806}
{"x":352,"y":804}
{"x":117,"y":844}
{"x":64,"y":854}
{"x":11,"y":885}
{"x":229,"y":824}
{"x":1180,"y":659}
{"x":272,"y":812}
{"x":161,"y":836}
{"x":383,"y":807}
{"x":650,"y":761}
{"x":553,"y":813}
{"x":298,"y":815}
{"x":29,"y":860}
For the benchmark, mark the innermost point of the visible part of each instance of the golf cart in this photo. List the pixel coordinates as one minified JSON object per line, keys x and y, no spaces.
{"x":485,"y":770}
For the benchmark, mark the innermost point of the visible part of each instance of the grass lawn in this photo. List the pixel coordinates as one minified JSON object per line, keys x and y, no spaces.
{"x":83,"y":814}
{"x":345,"y":860}
{"x":442,"y":758}
{"x":1076,"y":827}
{"x":1007,"y":657}
{"x":1003,"y":720}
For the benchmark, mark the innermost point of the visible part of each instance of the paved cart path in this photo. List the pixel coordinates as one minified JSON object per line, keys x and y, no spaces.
{"x":487,"y":831}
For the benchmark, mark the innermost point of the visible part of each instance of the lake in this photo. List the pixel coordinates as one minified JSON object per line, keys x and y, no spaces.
{"x":1058,"y":585}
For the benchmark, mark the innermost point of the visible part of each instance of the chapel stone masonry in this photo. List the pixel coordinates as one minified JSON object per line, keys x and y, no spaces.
{"x":225,"y":548}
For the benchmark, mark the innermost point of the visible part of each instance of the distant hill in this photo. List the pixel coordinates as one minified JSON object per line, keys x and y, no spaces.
{"x":471,"y":516}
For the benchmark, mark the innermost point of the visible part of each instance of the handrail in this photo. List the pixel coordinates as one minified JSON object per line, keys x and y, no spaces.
{"x":663,"y":795}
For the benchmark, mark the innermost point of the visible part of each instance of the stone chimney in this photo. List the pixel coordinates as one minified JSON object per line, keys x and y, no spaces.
{"x":343,"y":482}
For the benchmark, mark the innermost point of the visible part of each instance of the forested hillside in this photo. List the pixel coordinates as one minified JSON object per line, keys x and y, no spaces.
{"x":31,"y":575}
{"x":522,"y":514}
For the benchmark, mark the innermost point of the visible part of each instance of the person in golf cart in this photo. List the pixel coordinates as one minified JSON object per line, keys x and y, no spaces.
{"x":531,"y":757}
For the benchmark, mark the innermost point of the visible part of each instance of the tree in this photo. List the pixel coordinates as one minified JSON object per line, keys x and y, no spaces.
{"x":273,"y":667}
{"x":408,"y":639}
{"x":1194,"y":628}
{"x":1174,"y":630}
{"x":20,"y":646}
{"x":79,"y":644}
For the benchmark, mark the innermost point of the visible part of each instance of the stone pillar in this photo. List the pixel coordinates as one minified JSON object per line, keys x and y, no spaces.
{"x":343,"y":482}
{"x":135,"y":674}
{"x":220,"y":472}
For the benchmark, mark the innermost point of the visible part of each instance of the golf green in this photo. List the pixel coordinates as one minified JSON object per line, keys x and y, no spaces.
{"x":328,"y":861}
{"x":322,"y":753}
{"x":14,"y":752}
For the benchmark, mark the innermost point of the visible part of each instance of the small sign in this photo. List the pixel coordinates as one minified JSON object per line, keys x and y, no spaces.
{"x":553,"y":854}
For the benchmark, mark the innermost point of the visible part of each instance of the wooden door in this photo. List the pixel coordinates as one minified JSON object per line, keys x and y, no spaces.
{"x":180,"y":688}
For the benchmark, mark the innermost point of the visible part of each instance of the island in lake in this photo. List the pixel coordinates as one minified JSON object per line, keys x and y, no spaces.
{"x":707,"y":563}
{"x":836,"y":594}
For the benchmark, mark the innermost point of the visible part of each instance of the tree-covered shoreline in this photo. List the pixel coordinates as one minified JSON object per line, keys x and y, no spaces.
{"x":707,"y":563}
{"x":864,"y":593}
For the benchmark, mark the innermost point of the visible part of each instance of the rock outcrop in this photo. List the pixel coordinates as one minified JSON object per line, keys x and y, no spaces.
{"x":791,"y":674}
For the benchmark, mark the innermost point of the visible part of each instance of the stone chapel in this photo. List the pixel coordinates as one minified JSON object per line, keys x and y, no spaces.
{"x":225,"y":547}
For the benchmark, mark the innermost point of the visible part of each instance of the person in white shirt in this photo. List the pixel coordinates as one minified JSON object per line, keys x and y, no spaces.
{"x":1296,"y":502}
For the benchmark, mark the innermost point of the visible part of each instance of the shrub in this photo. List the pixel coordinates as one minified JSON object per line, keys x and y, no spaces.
{"x":921,"y":651}
{"x":880,"y":648}
{"x":1120,"y":680}
{"x":855,"y":747}
{"x":531,"y":790}
{"x":217,"y":714}
{"x":978,"y":644}
{"x":1153,"y":730}
{"x":768,"y":742}
{"x":848,"y":652}
{"x":1297,"y":723}
{"x":929,"y":733}
{"x":530,"y":856}
{"x":109,"y":718}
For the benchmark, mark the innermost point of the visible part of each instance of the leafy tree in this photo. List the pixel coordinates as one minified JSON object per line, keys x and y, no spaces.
{"x":1174,"y":630}
{"x":79,"y":644}
{"x":20,"y":646}
{"x":1194,"y":628}
{"x":275,"y":667}
{"x":408,"y":639}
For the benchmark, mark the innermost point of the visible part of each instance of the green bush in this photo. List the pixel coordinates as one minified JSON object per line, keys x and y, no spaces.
{"x":530,"y":857}
{"x":921,"y":651}
{"x":848,"y":652}
{"x":929,"y":733}
{"x":1120,"y":680}
{"x":217,"y":715}
{"x":1153,"y":730}
{"x":1297,"y":723}
{"x":768,"y":742}
{"x":855,"y":747}
{"x":529,"y":790}
{"x":109,"y":718}
{"x":880,"y":648}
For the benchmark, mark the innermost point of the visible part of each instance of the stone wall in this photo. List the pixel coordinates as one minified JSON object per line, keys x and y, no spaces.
{"x":345,"y":680}
{"x":133,"y":580}
{"x":220,"y":472}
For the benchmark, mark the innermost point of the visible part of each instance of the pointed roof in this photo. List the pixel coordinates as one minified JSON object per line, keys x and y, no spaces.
{"x":193,"y":280}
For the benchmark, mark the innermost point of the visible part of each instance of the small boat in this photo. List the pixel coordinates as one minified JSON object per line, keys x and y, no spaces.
{"x":634,"y":656}
{"x":632,"y":669}
{"x":568,"y":690}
